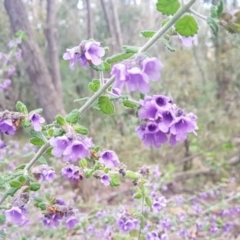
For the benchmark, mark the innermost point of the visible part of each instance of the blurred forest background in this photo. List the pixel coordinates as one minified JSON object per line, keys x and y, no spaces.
{"x":203,"y":79}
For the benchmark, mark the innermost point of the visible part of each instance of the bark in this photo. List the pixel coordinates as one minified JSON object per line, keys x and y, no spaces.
{"x":116,"y":24}
{"x":52,"y":46}
{"x":46,"y":95}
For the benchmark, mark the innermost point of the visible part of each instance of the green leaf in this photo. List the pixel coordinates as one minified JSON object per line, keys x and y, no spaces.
{"x":94,"y":85}
{"x":142,"y":96}
{"x":60,"y":120}
{"x":50,"y":132}
{"x":148,"y":201}
{"x":20,"y":167}
{"x":37,"y":141}
{"x":83,"y":163}
{"x":187,"y":26}
{"x":37,"y":134}
{"x":213,"y":25}
{"x":132,"y":175}
{"x":148,"y":33}
{"x":58,"y":132}
{"x":165,"y":43}
{"x":39,"y":110}
{"x":119,"y":57}
{"x":129,"y":104}
{"x":115,"y":181}
{"x":130,"y":49}
{"x":88,"y":173}
{"x":73,"y":116}
{"x":106,"y":106}
{"x":2,"y":218}
{"x":137,"y":195}
{"x":21,"y":34}
{"x":35,"y":186}
{"x":21,"y":107}
{"x":28,"y":154}
{"x":80,"y":129}
{"x":168,"y":7}
{"x":42,"y":160}
{"x":228,"y":145}
{"x":38,"y":199}
{"x":104,"y":66}
{"x":41,"y":205}
{"x":216,"y":11}
{"x":12,"y":191}
{"x":15,"y":184}
{"x":22,"y":179}
{"x":49,"y":152}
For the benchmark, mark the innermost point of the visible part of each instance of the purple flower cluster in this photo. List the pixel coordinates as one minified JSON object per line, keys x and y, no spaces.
{"x":158,"y":202}
{"x":162,"y":118}
{"x":73,"y":173}
{"x":44,"y":173}
{"x":71,"y":149}
{"x":36,"y":121}
{"x":136,"y":73}
{"x":109,"y":159}
{"x":58,"y":212}
{"x":86,"y":52}
{"x":126,"y":223}
{"x":17,"y":215}
{"x":154,"y":235}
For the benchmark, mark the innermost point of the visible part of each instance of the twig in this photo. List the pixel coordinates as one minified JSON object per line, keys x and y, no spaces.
{"x":198,"y":14}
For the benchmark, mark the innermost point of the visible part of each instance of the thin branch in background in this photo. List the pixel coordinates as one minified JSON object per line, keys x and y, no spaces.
{"x":204,"y":81}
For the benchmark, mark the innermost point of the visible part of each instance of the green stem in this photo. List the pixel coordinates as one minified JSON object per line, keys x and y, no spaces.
{"x":198,"y":14}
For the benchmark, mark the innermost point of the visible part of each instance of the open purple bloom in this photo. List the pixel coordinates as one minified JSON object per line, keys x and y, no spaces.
{"x":93,"y":52}
{"x":128,"y":224}
{"x":159,"y":203}
{"x":71,"y":222}
{"x":86,"y":52}
{"x":2,"y":144}
{"x":72,"y":173}
{"x":59,"y":145}
{"x":109,"y":159}
{"x":77,"y":150}
{"x":7,"y":127}
{"x":187,"y":41}
{"x":105,"y":179}
{"x":36,"y":121}
{"x":151,"y":135}
{"x":136,"y":73}
{"x":152,"y":67}
{"x":16,"y":215}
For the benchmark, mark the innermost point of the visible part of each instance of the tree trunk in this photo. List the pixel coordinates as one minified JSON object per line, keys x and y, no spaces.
{"x":117,"y":24}
{"x":52,"y":46}
{"x":41,"y":81}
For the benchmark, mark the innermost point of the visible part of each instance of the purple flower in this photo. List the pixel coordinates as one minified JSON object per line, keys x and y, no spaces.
{"x":16,"y":215}
{"x":182,"y":126}
{"x":86,"y":52}
{"x":151,"y":135}
{"x":135,"y":73}
{"x":128,"y":224}
{"x":187,"y":41}
{"x":5,"y":84}
{"x":2,"y":144}
{"x":11,"y":71}
{"x":44,"y":173}
{"x":36,"y":121}
{"x":18,"y":54}
{"x":77,"y":150}
{"x":93,"y":52}
{"x":166,"y":224}
{"x":109,"y":159}
{"x":154,"y":235}
{"x":105,"y":179}
{"x":72,"y":173}
{"x":152,"y":67}
{"x":159,"y":203}
{"x":71,"y":222}
{"x":59,"y":145}
{"x":7,"y":127}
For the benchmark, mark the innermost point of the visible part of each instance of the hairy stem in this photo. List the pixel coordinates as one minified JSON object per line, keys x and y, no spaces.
{"x":198,"y":14}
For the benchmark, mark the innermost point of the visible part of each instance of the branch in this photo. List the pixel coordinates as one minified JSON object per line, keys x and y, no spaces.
{"x":198,"y":14}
